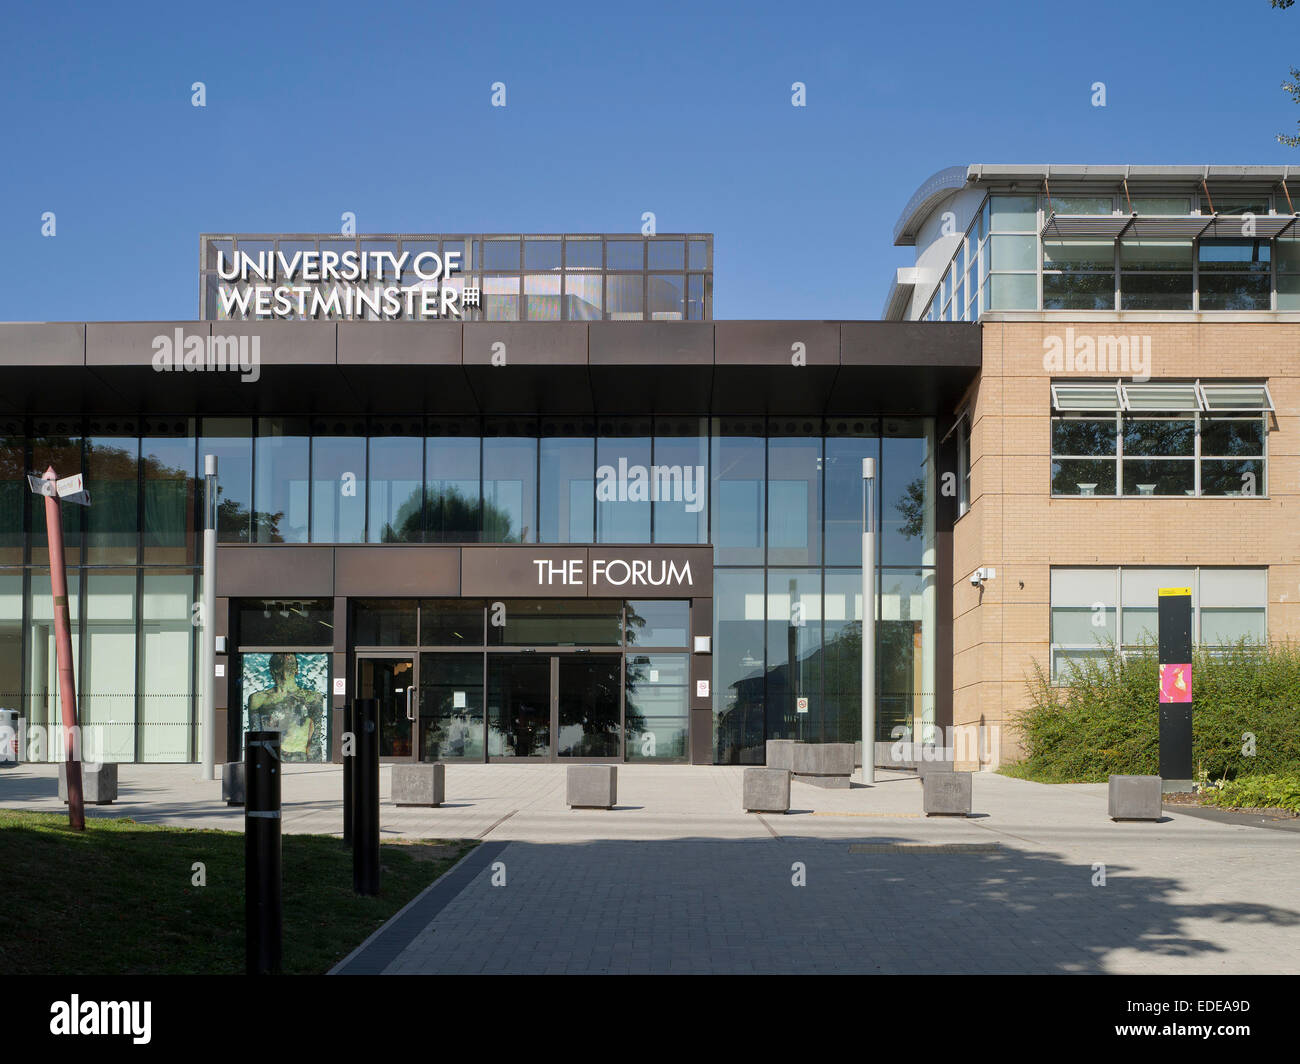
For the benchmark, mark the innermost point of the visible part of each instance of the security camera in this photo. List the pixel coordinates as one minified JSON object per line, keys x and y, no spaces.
{"x":977,"y":578}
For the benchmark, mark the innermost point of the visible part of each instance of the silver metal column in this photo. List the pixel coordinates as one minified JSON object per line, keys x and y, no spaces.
{"x":208,"y":630}
{"x":868,"y":620}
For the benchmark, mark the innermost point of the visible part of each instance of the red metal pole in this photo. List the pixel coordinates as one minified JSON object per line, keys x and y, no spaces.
{"x":63,"y":650}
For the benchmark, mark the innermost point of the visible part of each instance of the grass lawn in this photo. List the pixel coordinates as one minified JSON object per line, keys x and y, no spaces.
{"x":119,"y":899}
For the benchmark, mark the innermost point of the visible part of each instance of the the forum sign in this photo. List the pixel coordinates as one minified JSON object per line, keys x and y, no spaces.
{"x":587,"y":572}
{"x":347,"y":284}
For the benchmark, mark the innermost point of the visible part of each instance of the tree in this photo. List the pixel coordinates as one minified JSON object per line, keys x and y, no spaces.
{"x":1291,"y":87}
{"x":911,"y":507}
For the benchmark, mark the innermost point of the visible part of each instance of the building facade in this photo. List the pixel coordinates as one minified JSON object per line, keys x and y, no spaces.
{"x":1133,"y":424}
{"x":525,"y":490}
{"x":542,"y":530}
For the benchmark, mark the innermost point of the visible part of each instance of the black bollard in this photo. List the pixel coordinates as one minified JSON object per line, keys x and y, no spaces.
{"x":263,"y":910}
{"x":349,"y":761}
{"x":365,"y":797}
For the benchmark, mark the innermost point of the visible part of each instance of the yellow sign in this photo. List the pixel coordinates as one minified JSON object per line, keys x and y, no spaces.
{"x":1175,"y":591}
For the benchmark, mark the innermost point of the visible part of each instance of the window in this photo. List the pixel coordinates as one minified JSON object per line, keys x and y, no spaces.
{"x":624,"y":482}
{"x":1160,"y":438}
{"x":681,"y":480}
{"x":963,"y":463}
{"x":1078,"y":204}
{"x":1155,"y":274}
{"x":395,"y":488}
{"x":906,"y":489}
{"x":1237,"y":205}
{"x":231,"y":440}
{"x":338,"y":474}
{"x":1235,"y":274}
{"x":567,"y":487}
{"x":1288,"y":273}
{"x":1232,"y":455}
{"x":453,"y":507}
{"x":1158,"y":456}
{"x":848,"y":442}
{"x":108,"y":684}
{"x":1166,"y":205}
{"x":1078,"y":275}
{"x":1083,"y":455}
{"x":166,"y":661}
{"x":510,"y":481}
{"x":794,"y":492}
{"x":1096,"y":611}
{"x":737,"y":491}
{"x":167,"y":471}
{"x":1012,"y":253}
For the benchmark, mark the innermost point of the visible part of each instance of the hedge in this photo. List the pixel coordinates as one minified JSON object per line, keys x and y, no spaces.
{"x":1107,"y":719}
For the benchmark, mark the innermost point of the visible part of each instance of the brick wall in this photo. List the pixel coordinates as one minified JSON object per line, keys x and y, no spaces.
{"x":1014,"y":524}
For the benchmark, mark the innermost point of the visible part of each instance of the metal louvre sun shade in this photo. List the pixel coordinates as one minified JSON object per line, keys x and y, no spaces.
{"x":1095,"y":225}
{"x":1249,"y":398}
{"x":1085,"y":396}
{"x":1160,"y":396}
{"x":1168,"y":227}
{"x":1172,"y":397}
{"x":1262,"y":227}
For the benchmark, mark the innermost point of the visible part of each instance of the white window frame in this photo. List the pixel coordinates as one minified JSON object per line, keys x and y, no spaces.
{"x":1116,"y":573}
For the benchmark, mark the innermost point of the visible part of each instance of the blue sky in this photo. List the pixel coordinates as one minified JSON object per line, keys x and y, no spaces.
{"x":678,"y":108}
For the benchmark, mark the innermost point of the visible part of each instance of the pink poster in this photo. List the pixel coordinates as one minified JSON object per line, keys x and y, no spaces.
{"x":1176,"y":683}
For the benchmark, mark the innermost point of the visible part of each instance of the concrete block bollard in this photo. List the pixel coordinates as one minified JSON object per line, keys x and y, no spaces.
{"x":592,"y":786}
{"x":766,"y":790}
{"x":422,"y":784}
{"x":98,"y":786}
{"x":946,"y":793}
{"x":1134,"y":797}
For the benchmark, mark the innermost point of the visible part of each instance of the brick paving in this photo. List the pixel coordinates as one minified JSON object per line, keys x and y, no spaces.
{"x":679,"y":879}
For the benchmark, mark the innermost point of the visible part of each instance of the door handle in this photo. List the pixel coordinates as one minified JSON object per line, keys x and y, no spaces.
{"x":410,"y":709}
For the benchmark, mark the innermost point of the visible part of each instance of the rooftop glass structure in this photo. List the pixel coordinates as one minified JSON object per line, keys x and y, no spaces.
{"x":499,"y":277}
{"x":1128,"y":240}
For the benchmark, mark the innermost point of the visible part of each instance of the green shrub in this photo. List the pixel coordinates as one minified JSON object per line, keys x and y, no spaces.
{"x":1258,"y":792}
{"x":1107,"y":719}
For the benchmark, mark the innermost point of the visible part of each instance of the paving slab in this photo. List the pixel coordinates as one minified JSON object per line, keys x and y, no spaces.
{"x":677,"y":878}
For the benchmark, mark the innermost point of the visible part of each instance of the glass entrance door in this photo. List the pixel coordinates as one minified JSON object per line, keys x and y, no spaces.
{"x":519,"y":705}
{"x":392,"y":681}
{"x":451,"y":707}
{"x":590,"y":723}
{"x":555,"y":706}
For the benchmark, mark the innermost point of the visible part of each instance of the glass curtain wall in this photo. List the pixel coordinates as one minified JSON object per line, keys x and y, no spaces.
{"x":788,"y":616}
{"x":779,"y":499}
{"x":131,"y":580}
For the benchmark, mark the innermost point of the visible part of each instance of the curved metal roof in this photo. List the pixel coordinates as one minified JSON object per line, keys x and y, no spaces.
{"x":943,"y":183}
{"x":936,"y":187}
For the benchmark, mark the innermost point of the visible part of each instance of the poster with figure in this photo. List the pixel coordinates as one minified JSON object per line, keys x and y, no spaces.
{"x":288,"y":693}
